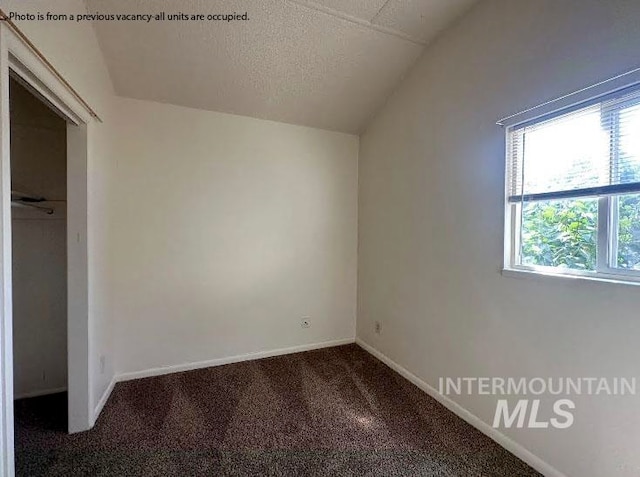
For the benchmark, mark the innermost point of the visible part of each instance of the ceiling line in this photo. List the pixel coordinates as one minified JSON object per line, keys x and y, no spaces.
{"x":359,"y":21}
{"x":379,"y":11}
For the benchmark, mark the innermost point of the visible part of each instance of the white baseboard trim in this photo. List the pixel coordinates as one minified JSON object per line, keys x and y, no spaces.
{"x":229,"y":360}
{"x":516,"y":449}
{"x":147,"y":373}
{"x":41,"y":392}
{"x":103,"y":400}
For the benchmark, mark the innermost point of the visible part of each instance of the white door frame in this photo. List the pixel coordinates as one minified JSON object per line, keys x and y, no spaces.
{"x":18,"y":56}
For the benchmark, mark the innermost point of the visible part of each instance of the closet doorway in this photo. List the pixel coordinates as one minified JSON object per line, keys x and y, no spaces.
{"x":39,"y":260}
{"x":20,"y":61}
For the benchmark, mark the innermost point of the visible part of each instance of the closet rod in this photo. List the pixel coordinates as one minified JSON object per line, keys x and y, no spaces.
{"x":28,"y":205}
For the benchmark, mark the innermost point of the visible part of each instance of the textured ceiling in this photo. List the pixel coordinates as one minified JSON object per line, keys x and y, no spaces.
{"x":323,"y":63}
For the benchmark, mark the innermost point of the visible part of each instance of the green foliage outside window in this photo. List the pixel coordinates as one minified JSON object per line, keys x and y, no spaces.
{"x":629,"y":232}
{"x":563,"y":233}
{"x":560,"y":233}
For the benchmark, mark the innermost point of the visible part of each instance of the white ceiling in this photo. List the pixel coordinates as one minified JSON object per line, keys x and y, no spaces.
{"x":323,"y":63}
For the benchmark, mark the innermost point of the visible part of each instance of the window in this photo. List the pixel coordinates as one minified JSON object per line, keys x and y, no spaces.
{"x":573,"y":190}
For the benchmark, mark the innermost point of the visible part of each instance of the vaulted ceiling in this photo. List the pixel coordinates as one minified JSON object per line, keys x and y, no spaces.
{"x":324,"y":63}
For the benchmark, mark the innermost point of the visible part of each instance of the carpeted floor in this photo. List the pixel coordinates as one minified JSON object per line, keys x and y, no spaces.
{"x":331,"y":412}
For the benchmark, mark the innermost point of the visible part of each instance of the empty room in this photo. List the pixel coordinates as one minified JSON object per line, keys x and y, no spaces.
{"x":319,"y":238}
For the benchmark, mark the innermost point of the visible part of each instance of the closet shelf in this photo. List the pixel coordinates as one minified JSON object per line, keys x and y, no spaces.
{"x":30,"y":205}
{"x":26,"y":200}
{"x":25,"y":197}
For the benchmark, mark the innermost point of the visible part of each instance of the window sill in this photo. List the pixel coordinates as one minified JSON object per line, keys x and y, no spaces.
{"x":567,"y":278}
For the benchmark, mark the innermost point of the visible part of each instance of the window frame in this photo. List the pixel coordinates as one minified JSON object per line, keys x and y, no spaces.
{"x":607,"y":225}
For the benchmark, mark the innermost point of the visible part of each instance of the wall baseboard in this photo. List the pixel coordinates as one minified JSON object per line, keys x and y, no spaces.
{"x":147,"y":373}
{"x":42,"y":392}
{"x":103,"y":400}
{"x":516,"y":449}
{"x":229,"y":360}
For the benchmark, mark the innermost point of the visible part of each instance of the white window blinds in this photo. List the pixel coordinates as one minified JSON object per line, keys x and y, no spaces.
{"x":593,"y":150}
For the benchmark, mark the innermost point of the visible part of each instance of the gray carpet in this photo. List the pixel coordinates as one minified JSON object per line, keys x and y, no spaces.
{"x":332,"y":412}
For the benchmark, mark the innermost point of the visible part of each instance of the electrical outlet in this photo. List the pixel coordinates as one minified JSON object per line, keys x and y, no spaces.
{"x":377,"y":327}
{"x":305,"y":322}
{"x":103,"y":361}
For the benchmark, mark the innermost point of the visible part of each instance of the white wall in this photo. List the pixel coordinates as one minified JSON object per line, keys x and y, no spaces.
{"x":227,"y":231}
{"x":73,"y":49}
{"x":431,"y":224}
{"x":38,"y":166}
{"x":210,"y":235}
{"x":39,"y":306}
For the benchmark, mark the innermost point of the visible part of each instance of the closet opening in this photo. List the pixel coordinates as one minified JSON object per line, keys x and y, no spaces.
{"x":38,"y":150}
